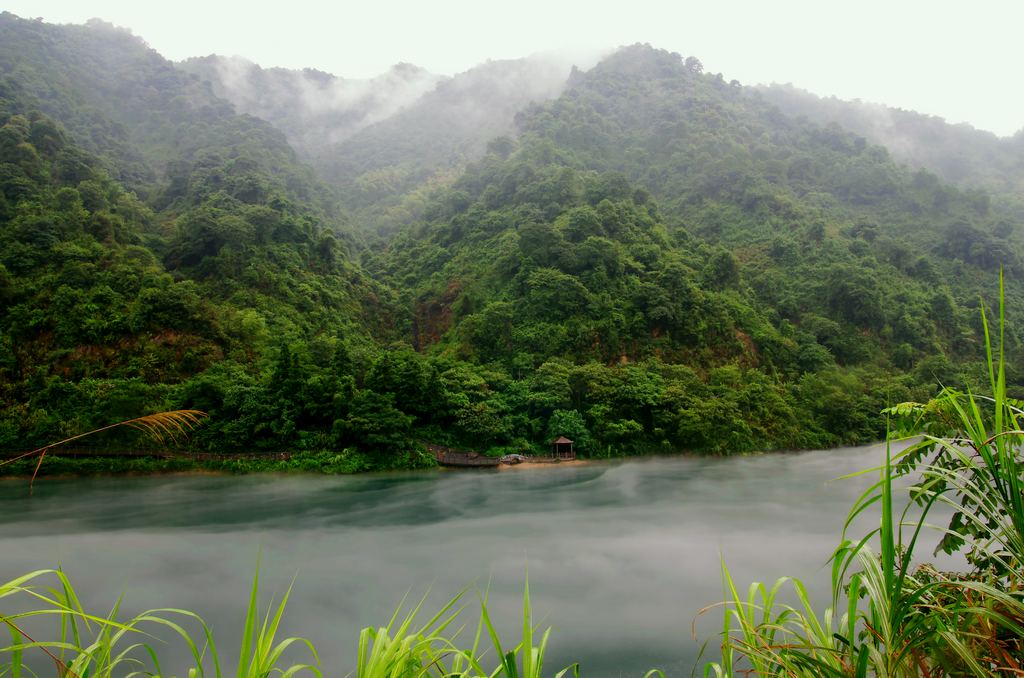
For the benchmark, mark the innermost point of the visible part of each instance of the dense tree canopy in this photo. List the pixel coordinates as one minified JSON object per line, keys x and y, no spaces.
{"x":654,"y":261}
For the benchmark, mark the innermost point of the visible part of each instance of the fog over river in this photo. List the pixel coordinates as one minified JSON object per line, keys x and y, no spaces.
{"x":621,"y":555}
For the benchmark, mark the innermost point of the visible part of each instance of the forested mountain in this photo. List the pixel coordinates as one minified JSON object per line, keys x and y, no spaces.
{"x":148,"y":234}
{"x":652,"y":260}
{"x":762,"y":271}
{"x":958,"y":154}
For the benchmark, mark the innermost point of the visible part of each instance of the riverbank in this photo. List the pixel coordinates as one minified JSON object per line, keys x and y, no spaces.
{"x":74,"y":467}
{"x":317,"y":463}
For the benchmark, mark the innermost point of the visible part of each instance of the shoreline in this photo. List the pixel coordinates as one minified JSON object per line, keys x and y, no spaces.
{"x":199,"y":469}
{"x":556,"y":464}
{"x":134,"y":474}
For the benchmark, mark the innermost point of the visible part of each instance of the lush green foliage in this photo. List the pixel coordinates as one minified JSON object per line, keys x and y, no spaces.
{"x":891,"y":616}
{"x":888,"y":617}
{"x":127,"y":287}
{"x":768,"y":298}
{"x":655,"y":262}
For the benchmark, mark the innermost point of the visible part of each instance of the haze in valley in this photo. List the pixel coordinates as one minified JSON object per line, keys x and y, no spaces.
{"x":950,"y":60}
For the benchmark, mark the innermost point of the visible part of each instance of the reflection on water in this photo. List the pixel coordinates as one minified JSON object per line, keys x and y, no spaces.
{"x":621,"y":555}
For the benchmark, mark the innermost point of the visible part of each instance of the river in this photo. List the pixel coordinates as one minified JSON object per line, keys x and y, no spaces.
{"x":621,"y":555}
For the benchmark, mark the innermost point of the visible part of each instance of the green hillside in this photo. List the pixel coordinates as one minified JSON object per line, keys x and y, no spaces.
{"x":653,"y":261}
{"x":192,"y":244}
{"x":656,"y":227}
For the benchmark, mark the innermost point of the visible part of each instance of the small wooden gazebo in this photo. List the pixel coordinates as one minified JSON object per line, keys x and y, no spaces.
{"x":562,"y":449}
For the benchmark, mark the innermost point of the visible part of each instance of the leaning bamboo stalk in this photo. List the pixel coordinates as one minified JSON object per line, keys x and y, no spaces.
{"x":159,"y":426}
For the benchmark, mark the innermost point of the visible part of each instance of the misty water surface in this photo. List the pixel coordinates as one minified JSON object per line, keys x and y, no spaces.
{"x":621,"y":555}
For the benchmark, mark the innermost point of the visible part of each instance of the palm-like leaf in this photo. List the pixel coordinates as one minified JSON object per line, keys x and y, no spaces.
{"x":161,"y":427}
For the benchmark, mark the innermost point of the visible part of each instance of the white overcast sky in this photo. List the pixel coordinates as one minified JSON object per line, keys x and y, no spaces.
{"x":960,"y":60}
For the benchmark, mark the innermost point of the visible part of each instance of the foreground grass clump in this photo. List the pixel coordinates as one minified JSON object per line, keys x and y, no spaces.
{"x":105,"y":647}
{"x":888,"y":617}
{"x":82,"y":644}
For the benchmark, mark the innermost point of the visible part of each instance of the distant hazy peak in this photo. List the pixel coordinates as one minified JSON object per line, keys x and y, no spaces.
{"x":313,"y":107}
{"x":959,"y":153}
{"x":877,"y":114}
